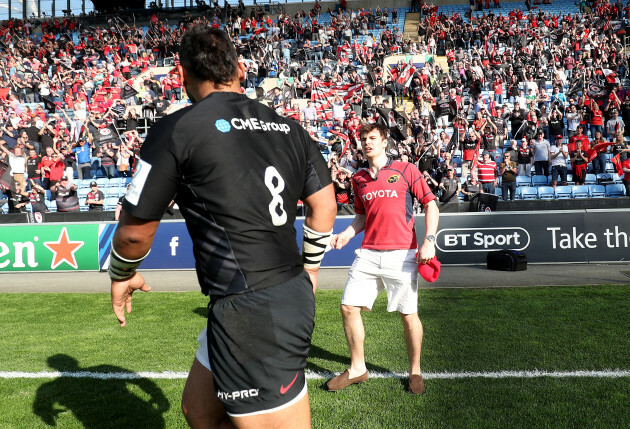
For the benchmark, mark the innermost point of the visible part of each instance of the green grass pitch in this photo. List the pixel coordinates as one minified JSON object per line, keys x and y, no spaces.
{"x":560,"y":329}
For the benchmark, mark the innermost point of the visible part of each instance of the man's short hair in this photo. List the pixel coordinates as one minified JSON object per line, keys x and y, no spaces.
{"x":368,"y":128}
{"x":208,"y":54}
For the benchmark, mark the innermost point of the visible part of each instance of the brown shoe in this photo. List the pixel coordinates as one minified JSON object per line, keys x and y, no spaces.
{"x":416,"y":384}
{"x":343,"y":380}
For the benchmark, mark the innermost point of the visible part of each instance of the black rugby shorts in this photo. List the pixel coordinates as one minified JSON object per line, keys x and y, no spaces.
{"x":258,"y":344}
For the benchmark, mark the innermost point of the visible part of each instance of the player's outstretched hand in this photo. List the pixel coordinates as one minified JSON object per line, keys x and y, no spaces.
{"x":339,"y":240}
{"x":122,"y":292}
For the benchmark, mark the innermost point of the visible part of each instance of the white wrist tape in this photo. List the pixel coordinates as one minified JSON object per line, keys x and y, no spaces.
{"x":121,"y":268}
{"x":314,"y":246}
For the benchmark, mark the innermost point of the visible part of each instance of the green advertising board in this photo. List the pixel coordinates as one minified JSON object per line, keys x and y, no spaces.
{"x":49,"y":247}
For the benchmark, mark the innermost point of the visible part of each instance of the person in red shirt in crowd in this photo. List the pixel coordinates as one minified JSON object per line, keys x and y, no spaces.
{"x":388,"y":257}
{"x":51,"y":167}
{"x":167,"y":87}
{"x":488,"y":173}
{"x":177,"y":86}
{"x":625,"y":166}
{"x":597,"y":119}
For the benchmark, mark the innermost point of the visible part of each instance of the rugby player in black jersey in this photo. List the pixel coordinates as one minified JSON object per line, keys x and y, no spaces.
{"x":237,"y":170}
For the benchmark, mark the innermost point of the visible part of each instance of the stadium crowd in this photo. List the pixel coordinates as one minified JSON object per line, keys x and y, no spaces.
{"x":525,"y":95}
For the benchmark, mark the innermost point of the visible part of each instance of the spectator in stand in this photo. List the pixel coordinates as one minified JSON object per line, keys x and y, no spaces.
{"x":107,"y":155}
{"x":32,"y":166}
{"x":614,"y":124}
{"x":508,"y":170}
{"x":625,"y":167}
{"x":620,"y":145}
{"x":450,"y":187}
{"x":343,"y":186}
{"x":599,"y":145}
{"x":597,"y":120}
{"x":559,"y":154}
{"x":51,"y":168}
{"x":579,"y":163}
{"x":468,"y":146}
{"x":488,"y":174}
{"x":574,"y":117}
{"x":513,"y":151}
{"x":83,"y":153}
{"x":95,"y":198}
{"x":555,"y":121}
{"x":37,"y":198}
{"x":18,"y":199}
{"x":472,"y":187}
{"x":17,"y":163}
{"x":65,"y":195}
{"x":541,"y":154}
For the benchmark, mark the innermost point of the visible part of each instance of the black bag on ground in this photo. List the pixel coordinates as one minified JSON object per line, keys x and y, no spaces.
{"x":507,"y":260}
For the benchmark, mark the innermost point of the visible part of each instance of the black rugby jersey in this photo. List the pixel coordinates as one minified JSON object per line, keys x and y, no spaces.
{"x":236,"y":169}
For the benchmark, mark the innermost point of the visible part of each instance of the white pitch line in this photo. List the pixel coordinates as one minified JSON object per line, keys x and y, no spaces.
{"x":174,"y":375}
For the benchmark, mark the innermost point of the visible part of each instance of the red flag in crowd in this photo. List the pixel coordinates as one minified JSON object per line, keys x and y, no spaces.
{"x":344,"y":139}
{"x":323,"y":93}
{"x":616,"y":160}
{"x":592,"y":152}
{"x":405,"y":76}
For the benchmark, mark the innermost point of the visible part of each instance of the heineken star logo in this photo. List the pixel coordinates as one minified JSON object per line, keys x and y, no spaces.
{"x":63,"y":250}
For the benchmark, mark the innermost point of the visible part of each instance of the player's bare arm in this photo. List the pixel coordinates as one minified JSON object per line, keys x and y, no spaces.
{"x":321,"y":217}
{"x":132,"y":241}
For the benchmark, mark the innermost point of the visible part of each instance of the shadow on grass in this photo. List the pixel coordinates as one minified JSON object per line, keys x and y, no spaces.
{"x":99,"y":402}
{"x":201,"y":311}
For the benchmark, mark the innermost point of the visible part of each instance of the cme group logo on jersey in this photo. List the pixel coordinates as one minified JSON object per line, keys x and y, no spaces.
{"x":251,"y":124}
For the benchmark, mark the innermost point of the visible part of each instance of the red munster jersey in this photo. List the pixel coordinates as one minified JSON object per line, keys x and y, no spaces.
{"x":387,"y":203}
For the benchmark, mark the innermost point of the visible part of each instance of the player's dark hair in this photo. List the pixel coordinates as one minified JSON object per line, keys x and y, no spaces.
{"x":208,"y":54}
{"x":368,"y":128}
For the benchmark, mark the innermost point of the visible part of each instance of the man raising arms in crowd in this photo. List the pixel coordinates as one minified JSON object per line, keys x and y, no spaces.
{"x":262,"y":308}
{"x":388,"y":257}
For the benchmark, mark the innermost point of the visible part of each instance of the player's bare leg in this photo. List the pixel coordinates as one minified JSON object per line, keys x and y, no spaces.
{"x":200,"y":404}
{"x":413,"y":339}
{"x":296,"y":416}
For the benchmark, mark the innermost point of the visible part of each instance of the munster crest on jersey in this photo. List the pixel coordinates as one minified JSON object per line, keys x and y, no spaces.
{"x":394,"y":178}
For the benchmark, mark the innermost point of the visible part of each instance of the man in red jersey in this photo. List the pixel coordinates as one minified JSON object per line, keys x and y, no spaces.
{"x":384,"y":194}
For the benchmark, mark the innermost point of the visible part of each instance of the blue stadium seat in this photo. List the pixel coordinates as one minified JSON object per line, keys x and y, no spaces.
{"x":528,"y":192}
{"x":110,"y":203}
{"x":523,"y":181}
{"x":82,"y":193}
{"x":580,"y":191}
{"x":597,"y":191}
{"x":545,"y":193}
{"x":563,"y":192}
{"x":590,"y":179}
{"x":115,"y":182}
{"x":540,"y":180}
{"x":615,"y":190}
{"x":570,"y":179}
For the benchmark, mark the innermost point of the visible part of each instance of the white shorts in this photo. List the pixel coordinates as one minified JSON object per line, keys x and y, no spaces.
{"x":396,"y":271}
